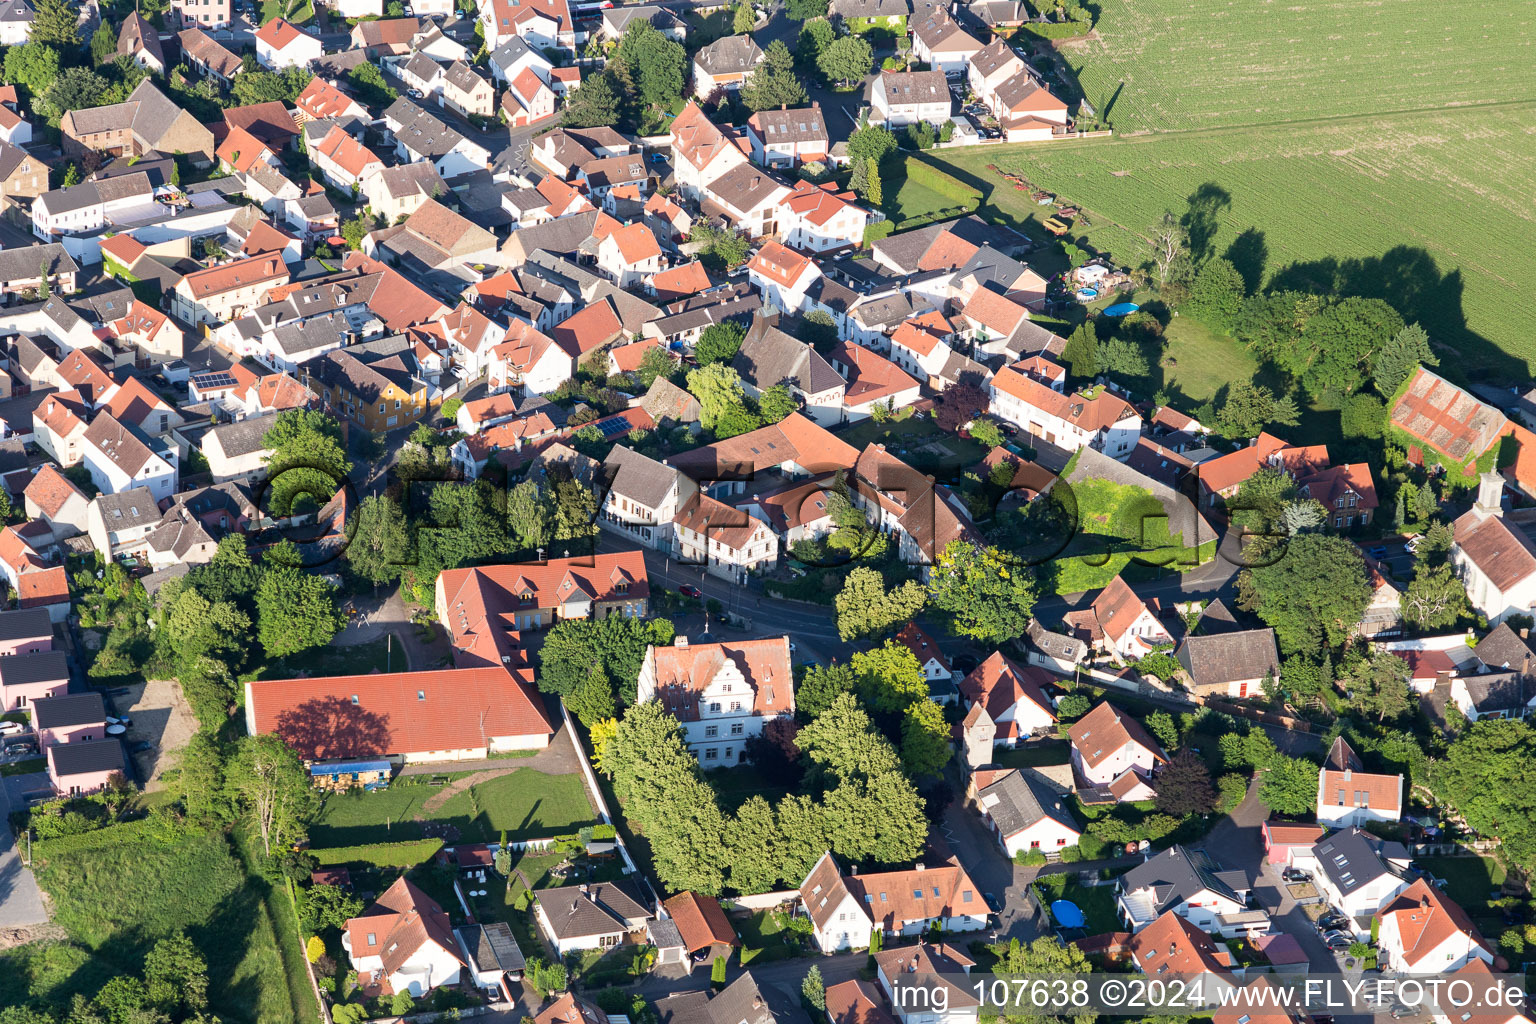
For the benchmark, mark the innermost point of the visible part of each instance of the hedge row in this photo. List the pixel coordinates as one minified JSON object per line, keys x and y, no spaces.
{"x":406,"y":854}
{"x":155,"y":828}
{"x":878,"y":230}
{"x":1057,"y":29}
{"x":942,"y":183}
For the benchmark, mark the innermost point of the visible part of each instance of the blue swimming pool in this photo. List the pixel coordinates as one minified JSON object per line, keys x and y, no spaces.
{"x":1087,"y":294}
{"x":1067,"y":914}
{"x":1121,"y":309}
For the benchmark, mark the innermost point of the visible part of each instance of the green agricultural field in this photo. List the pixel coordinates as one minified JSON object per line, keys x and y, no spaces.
{"x":116,"y":900}
{"x":526,"y":804}
{"x":1181,"y":64}
{"x":1431,"y":212}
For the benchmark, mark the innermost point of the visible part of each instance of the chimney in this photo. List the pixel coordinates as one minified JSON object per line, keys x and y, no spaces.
{"x":680,"y":641}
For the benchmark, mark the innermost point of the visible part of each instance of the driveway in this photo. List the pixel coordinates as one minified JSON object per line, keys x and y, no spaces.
{"x":21,"y":901}
{"x":1237,"y":843}
{"x":984,"y":860}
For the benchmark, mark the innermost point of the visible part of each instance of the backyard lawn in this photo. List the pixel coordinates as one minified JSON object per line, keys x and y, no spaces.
{"x":526,"y":804}
{"x":1034,"y":755}
{"x":1471,"y":882}
{"x":763,"y":937}
{"x":379,"y":655}
{"x":1097,"y":902}
{"x":916,"y":437}
{"x":118,"y":899}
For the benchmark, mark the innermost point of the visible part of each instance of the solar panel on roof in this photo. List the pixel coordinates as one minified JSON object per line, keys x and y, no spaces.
{"x":613,"y":427}
{"x":204,"y":381}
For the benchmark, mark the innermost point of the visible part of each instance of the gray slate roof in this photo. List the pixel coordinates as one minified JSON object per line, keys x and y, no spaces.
{"x":1503,"y":648}
{"x":602,"y":909}
{"x":769,"y":357}
{"x":1230,"y":657}
{"x":43,"y":667}
{"x":637,"y":477}
{"x":70,"y":709}
{"x":87,"y":758}
{"x":1022,"y":798}
{"x":1354,"y":858}
{"x":1177,"y":873}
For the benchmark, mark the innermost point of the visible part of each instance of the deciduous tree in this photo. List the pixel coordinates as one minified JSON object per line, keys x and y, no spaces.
{"x":1313,"y":591}
{"x":987,"y":598}
{"x":925,"y":748}
{"x":1289,"y":786}
{"x":1435,"y":598}
{"x":866,"y":608}
{"x":296,"y":610}
{"x":1184,"y":786}
{"x":846,"y":60}
{"x":274,"y":790}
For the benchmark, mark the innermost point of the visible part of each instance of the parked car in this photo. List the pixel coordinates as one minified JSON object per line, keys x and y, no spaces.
{"x":160,"y":380}
{"x":1379,"y":551}
{"x":1339,"y":943}
{"x":992,"y":902}
{"x":1332,"y":922}
{"x":11,"y":729}
{"x":1399,"y":1011}
{"x":689,"y":590}
{"x":1296,"y":875}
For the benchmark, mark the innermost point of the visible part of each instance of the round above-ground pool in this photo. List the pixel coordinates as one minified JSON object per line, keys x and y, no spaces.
{"x":1121,"y":309}
{"x":1067,"y":914}
{"x":1087,"y":294}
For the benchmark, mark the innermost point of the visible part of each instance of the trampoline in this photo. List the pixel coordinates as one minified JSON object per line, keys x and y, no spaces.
{"x":1121,"y":309}
{"x":1067,"y":914}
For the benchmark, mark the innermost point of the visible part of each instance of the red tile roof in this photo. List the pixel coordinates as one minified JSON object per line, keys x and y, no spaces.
{"x":1344,"y":789}
{"x":999,"y":683}
{"x":636,"y":243}
{"x":1171,"y":945}
{"x":588,"y":329}
{"x":400,"y":922}
{"x":49,"y":490}
{"x":680,"y":281}
{"x":700,"y":921}
{"x":43,"y":588}
{"x":321,"y":99}
{"x":278,"y":33}
{"x":1105,"y":730}
{"x":1449,"y":419}
{"x":1088,"y":414}
{"x":346,"y":152}
{"x":779,"y":264}
{"x":1504,"y":555}
{"x":397,"y":713}
{"x":1425,"y":918}
{"x":871,"y":377}
{"x":683,"y":674}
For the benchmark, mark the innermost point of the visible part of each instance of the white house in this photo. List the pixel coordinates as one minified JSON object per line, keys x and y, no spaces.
{"x":1012,"y":696}
{"x":643,"y":497}
{"x":1190,"y":884}
{"x":1348,"y":795}
{"x":343,"y":161}
{"x":528,"y":359}
{"x":1422,"y":931}
{"x":725,"y":64}
{"x":701,"y":151}
{"x":899,"y":98}
{"x":596,"y":916}
{"x":782,"y":275}
{"x":955,"y":1001}
{"x":1357,"y":873}
{"x":280,"y":44}
{"x":844,"y":910}
{"x":629,"y":254}
{"x":1496,"y":560}
{"x":1024,"y":811}
{"x":939,"y":41}
{"x":1103,"y":420}
{"x":1110,"y":748}
{"x":120,"y":457}
{"x":404,"y":939}
{"x":789,"y":137}
{"x":724,"y":694}
{"x":1121,"y":623}
{"x":819,"y":218}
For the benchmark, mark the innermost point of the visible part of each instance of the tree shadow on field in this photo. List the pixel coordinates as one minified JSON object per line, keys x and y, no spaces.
{"x":1203,"y":218}
{"x":1249,"y":253}
{"x":1409,"y":280}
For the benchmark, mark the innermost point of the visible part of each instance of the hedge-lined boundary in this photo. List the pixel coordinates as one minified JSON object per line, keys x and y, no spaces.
{"x":406,"y":854}
{"x":144,"y":830}
{"x":1057,"y":29}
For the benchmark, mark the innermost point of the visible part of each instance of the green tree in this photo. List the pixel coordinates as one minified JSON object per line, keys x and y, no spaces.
{"x":531,"y":516}
{"x":655,"y":63}
{"x":874,"y":192}
{"x":751,"y":847}
{"x":71,"y":175}
{"x":877,"y":818}
{"x":719,"y":342}
{"x":774,"y":403}
{"x":846,"y":60}
{"x":329,"y":906}
{"x":271,"y":86}
{"x":718,"y":388}
{"x":307,"y":458}
{"x":866,"y":608}
{"x":744,"y":19}
{"x":592,"y":104}
{"x":1162,"y":727}
{"x":871,"y":142}
{"x":1435,"y":598}
{"x":1217,"y":294}
{"x":1340,"y":342}
{"x":1184,"y":786}
{"x":197,"y":628}
{"x":614,"y":645}
{"x":73,"y":89}
{"x":371,"y":87}
{"x":103,"y":43}
{"x":1249,"y":408}
{"x":55,"y":23}
{"x":1289,"y":786}
{"x":773,"y":83}
{"x":1485,"y":777}
{"x":200,"y":779}
{"x":33,"y":66}
{"x":987,"y":598}
{"x":353,"y":231}
{"x":811,"y":986}
{"x":925,"y":748}
{"x":656,"y":362}
{"x":1044,"y":955}
{"x":381,"y":539}
{"x":1401,"y":356}
{"x":1123,"y":358}
{"x":843,"y":744}
{"x":1363,"y":416}
{"x":1260,"y":502}
{"x":888,"y":678}
{"x":815,"y":36}
{"x":1313,"y":591}
{"x":820,"y":686}
{"x":592,"y":699}
{"x":1081,"y":352}
{"x":1378,"y":685}
{"x":176,"y":975}
{"x":123,"y":1000}
{"x":802,"y":835}
{"x":296,"y":610}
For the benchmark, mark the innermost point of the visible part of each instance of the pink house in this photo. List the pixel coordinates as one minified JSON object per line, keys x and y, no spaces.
{"x":78,"y":768}
{"x":1282,"y":837}
{"x":26,"y":678}
{"x":25,"y":632}
{"x":71,"y":718}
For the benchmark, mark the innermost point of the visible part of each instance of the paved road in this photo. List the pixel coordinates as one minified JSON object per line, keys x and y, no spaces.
{"x":21,"y":901}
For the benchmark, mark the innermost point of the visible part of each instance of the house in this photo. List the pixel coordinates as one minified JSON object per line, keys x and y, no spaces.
{"x":1121,"y":623}
{"x":119,"y":457}
{"x":209,"y":14}
{"x":15,"y":129}
{"x":1111,"y":749}
{"x":1495,"y":558}
{"x":1099,"y":419}
{"x":643,"y":497}
{"x":617,"y":19}
{"x":528,"y":359}
{"x":1347,"y":795}
{"x":515,"y":56}
{"x":743,"y":1001}
{"x":856,"y":1001}
{"x":820,"y":218}
{"x":22,"y":270}
{"x":403,"y":942}
{"x":343,"y":161}
{"x":238,"y":451}
{"x":27,"y":631}
{"x":323,"y":100}
{"x":747,"y":199}
{"x":874,"y":382}
{"x":409,"y":717}
{"x":1172,"y":946}
{"x":22,"y":176}
{"x":492,"y":953}
{"x":596,"y":916}
{"x":1283,"y":838}
{"x":147,"y":121}
{"x":948,"y":245}
{"x":120,"y":524}
{"x":280,"y":44}
{"x":1232,"y":664}
{"x":379,"y":395}
{"x":1433,"y":411}
{"x":397,"y":192}
{"x":1346,"y":492}
{"x":140,"y":41}
{"x":1012,"y":695}
{"x":702,"y":926}
{"x":782,"y":275}
{"x":629,"y":255}
{"x":723,"y":693}
{"x":54,"y":499}
{"x":1024,"y":811}
{"x":89,"y":207}
{"x":436,"y":237}
{"x":1357,"y":873}
{"x":900,"y":98}
{"x":387,"y":37}
{"x":543,"y":24}
{"x":769,"y":357}
{"x":844,"y":910}
{"x":940,"y":42}
{"x":942,"y":969}
{"x":1220,"y":477}
{"x":75,"y":769}
{"x":678,"y":282}
{"x":726,"y":541}
{"x":16,"y":19}
{"x":422,"y":138}
{"x":464,"y":90}
{"x":724,"y":64}
{"x":1188,"y":883}
{"x":925,"y":649}
{"x":789,"y":137}
{"x":45,"y":589}
{"x":701,"y":150}
{"x":1496,"y":694}
{"x":528,"y":99}
{"x":1423,"y":931}
{"x":536,"y":595}
{"x":69,"y":718}
{"x":226,"y":292}
{"x":29,"y":677}
{"x":1055,"y":651}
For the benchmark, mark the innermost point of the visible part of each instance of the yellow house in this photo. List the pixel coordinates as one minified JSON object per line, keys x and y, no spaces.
{"x":380,"y":395}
